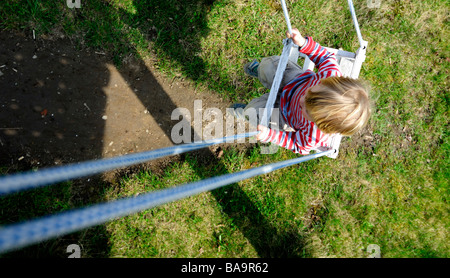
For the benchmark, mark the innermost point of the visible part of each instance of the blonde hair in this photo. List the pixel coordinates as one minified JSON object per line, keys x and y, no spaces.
{"x":341,"y":106}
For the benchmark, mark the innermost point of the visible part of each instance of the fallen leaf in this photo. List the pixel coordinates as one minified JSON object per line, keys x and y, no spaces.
{"x":44,"y":113}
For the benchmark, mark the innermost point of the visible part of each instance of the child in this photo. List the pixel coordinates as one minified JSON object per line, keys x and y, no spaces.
{"x":312,"y":106}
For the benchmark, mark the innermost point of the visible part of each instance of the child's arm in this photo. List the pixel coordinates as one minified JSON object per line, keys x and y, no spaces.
{"x":324,"y":60}
{"x":298,"y":142}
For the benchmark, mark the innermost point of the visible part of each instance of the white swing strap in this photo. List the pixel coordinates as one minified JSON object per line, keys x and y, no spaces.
{"x":277,"y":82}
{"x":282,"y":63}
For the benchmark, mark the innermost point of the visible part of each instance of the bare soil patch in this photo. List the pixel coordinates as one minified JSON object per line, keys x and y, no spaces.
{"x":60,"y":105}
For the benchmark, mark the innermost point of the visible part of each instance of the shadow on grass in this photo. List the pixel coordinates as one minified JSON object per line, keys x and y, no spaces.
{"x":268,"y":240}
{"x":176,"y":28}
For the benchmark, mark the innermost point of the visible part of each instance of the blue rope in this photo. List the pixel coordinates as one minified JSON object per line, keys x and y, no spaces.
{"x":20,"y":235}
{"x":286,"y":16}
{"x":282,"y":63}
{"x":28,"y":180}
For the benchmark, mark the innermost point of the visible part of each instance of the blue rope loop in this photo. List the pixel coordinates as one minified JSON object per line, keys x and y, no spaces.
{"x":22,"y":234}
{"x":33,"y":179}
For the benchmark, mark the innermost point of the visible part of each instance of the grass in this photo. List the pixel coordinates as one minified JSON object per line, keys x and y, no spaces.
{"x":389,"y":188}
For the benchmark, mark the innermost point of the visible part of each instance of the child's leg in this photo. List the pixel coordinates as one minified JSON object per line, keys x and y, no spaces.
{"x":266,"y":73}
{"x":268,"y":67}
{"x":277,"y":122}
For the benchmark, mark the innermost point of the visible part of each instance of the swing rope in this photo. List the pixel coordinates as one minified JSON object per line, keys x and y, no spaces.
{"x":23,"y":234}
{"x":279,"y":72}
{"x":33,"y":179}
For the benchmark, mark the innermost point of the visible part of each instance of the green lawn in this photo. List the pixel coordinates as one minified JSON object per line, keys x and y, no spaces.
{"x":391,"y":188}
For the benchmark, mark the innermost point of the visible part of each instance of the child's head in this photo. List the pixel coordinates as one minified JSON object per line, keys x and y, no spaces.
{"x":338,"y":105}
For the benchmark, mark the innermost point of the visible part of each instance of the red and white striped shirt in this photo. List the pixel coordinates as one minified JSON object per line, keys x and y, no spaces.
{"x":307,"y":135}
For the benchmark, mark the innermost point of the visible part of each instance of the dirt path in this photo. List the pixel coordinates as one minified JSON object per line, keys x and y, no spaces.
{"x":61,"y":105}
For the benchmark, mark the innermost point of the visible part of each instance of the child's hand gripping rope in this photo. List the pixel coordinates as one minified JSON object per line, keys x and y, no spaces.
{"x":296,"y":37}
